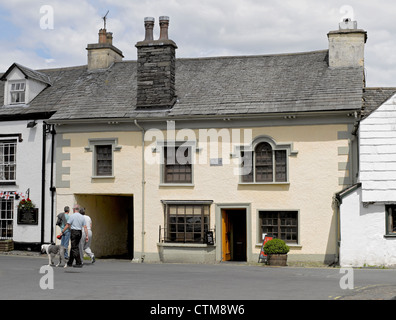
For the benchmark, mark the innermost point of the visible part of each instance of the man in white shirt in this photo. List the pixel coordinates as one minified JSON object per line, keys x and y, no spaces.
{"x":76,"y":224}
{"x":86,"y":245}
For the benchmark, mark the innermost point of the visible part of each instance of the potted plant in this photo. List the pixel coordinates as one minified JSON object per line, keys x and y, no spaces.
{"x":27,"y":212}
{"x":276,"y":251}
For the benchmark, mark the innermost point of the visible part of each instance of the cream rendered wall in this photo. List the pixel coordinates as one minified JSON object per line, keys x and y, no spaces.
{"x":127,"y":181}
{"x":313,"y":174}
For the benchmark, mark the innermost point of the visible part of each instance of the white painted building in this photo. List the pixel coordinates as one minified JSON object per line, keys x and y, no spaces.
{"x":26,"y":159}
{"x":368,"y":210}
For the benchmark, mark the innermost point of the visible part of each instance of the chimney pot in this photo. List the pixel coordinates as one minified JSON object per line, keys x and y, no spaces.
{"x":149,"y":26}
{"x":164,"y":24}
{"x":102,"y":36}
{"x":109,"y":38}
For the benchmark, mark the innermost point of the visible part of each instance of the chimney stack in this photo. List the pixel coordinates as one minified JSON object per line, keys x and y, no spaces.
{"x":346,"y":45}
{"x":103,"y":54}
{"x":156,"y":68}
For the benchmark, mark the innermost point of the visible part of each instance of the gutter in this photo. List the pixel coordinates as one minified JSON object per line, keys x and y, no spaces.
{"x":142,"y":255}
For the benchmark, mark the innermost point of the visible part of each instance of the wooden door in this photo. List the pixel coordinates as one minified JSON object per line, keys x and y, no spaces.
{"x":225,"y":236}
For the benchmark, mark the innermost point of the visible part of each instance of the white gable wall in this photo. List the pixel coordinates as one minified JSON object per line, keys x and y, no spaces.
{"x":377,"y":135}
{"x":362,"y":234}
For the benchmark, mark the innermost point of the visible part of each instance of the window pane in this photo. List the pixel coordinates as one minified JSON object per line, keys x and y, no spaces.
{"x":104,"y":165}
{"x":178,"y":168}
{"x":264,"y":165}
{"x":280,"y":166}
{"x":7,"y":160}
{"x":280,"y":224}
{"x":186,"y":223}
{"x":6,"y":218}
{"x":391,"y":219}
{"x":247,"y":166}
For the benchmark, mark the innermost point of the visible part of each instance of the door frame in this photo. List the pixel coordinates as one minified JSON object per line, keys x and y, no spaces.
{"x":220,"y":208}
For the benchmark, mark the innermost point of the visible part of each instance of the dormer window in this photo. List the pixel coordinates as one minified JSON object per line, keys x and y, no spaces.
{"x":22,"y":84}
{"x":17,"y":92}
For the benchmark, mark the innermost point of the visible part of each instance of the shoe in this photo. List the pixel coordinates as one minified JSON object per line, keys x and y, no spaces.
{"x":66,"y":266}
{"x":93,"y":259}
{"x":77,"y":266}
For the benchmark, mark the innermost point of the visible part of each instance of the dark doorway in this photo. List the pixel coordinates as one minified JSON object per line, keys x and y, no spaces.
{"x":234,"y":235}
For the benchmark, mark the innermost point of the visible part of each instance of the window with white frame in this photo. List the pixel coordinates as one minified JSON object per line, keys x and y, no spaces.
{"x":6,"y":218}
{"x":7,"y":161}
{"x":17,"y":92}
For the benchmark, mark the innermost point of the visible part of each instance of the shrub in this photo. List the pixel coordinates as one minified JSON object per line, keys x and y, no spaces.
{"x":276,"y":246}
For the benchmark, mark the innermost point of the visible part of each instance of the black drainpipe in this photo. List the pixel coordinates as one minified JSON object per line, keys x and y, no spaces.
{"x":44,"y":147}
{"x":52,"y":187}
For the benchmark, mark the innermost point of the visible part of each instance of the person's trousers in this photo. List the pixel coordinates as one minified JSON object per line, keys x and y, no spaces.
{"x":86,"y":245}
{"x":65,"y":242}
{"x":75,"y":238}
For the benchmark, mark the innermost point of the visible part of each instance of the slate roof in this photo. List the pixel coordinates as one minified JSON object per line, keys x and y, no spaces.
{"x":29,"y":73}
{"x":373,"y":98}
{"x":218,"y":86}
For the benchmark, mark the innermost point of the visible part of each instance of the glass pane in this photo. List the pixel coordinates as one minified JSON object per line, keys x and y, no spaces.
{"x":280,"y":166}
{"x":264,"y":165}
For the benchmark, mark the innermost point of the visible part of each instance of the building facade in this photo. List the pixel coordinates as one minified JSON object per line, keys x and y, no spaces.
{"x":367,"y":210}
{"x":193,"y":160}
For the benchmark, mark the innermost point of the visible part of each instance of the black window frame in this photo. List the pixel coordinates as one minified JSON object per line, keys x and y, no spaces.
{"x":390,"y":220}
{"x":273,"y":226}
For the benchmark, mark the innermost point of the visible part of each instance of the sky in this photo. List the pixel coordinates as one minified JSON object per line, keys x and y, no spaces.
{"x":42,"y":34}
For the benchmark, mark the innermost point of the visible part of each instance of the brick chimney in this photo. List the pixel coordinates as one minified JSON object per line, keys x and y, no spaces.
{"x":103,"y":54}
{"x":346,"y":45}
{"x":156,"y":68}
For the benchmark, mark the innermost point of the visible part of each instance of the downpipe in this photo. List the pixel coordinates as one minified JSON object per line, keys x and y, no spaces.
{"x":143,"y":191}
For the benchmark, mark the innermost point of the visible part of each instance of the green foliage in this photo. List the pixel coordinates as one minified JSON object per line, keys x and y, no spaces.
{"x":276,"y":246}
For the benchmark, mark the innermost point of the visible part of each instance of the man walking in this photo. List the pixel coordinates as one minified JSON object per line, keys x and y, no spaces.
{"x":76,"y":224}
{"x":86,"y":245}
{"x":63,"y":217}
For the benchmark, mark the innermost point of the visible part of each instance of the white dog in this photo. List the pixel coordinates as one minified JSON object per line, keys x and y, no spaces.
{"x":52,"y":250}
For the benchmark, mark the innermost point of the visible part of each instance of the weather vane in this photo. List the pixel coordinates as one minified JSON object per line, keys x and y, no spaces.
{"x":104,"y":19}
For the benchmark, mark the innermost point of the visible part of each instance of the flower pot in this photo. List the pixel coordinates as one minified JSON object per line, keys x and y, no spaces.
{"x":277,"y":260}
{"x":6,"y":245}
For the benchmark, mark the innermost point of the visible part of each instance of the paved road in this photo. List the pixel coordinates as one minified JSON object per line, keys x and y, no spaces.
{"x":120,"y":279}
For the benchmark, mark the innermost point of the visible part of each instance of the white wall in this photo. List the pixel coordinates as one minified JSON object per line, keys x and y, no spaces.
{"x":29,"y":176}
{"x":378,"y":154}
{"x":362,"y":234}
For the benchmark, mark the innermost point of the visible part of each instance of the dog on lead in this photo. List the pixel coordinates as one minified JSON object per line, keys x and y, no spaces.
{"x":53,"y":250}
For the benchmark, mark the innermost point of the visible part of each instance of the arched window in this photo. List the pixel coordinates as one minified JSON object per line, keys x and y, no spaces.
{"x":264,"y":164}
